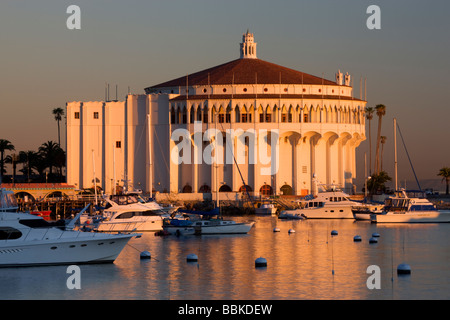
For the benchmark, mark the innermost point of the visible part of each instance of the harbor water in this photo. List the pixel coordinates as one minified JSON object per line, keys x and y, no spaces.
{"x":307,"y":264}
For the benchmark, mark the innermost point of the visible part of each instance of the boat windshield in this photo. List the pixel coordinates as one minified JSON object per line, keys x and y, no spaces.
{"x":397,"y":204}
{"x":7,"y":200}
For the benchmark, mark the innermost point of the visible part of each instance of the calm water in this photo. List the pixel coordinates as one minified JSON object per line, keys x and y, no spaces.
{"x":300,"y":266}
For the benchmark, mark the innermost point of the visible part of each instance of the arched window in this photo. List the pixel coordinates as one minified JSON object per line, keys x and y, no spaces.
{"x":204,"y":189}
{"x":266,"y":190}
{"x":245,"y":188}
{"x":286,"y":190}
{"x":187,"y":189}
{"x":225,"y":188}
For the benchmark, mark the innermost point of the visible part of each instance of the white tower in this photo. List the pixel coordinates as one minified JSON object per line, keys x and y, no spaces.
{"x":248,"y":46}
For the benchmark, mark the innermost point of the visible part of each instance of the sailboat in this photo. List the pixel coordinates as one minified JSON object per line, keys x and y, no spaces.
{"x":403,"y":209}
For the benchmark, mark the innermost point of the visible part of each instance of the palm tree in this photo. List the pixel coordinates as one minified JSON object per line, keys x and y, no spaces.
{"x":49,"y":152}
{"x":29,"y":159}
{"x":369,"y":116}
{"x":381,"y":111}
{"x":5,"y":145}
{"x":445,"y":174}
{"x":58,"y":113}
{"x":383,"y":141}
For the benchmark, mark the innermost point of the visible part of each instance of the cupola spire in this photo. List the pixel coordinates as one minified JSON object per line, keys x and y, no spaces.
{"x":248,"y":46}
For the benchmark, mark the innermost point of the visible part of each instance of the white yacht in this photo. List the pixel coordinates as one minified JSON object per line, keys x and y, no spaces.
{"x":402,"y":209}
{"x":328,"y":204}
{"x":129,"y":214}
{"x":29,"y":240}
{"x":266,"y":209}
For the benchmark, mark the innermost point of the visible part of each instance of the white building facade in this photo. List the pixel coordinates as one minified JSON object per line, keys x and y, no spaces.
{"x":279,"y":128}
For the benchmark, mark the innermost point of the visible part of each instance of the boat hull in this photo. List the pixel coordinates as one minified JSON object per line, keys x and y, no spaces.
{"x":84,"y":248}
{"x":323,"y":213}
{"x":130,"y":226}
{"x":412,"y":217}
{"x":231,"y":228}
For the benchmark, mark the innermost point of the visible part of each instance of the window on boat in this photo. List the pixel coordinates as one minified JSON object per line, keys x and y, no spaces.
{"x":41,"y":223}
{"x":126,"y":215}
{"x":8,"y":233}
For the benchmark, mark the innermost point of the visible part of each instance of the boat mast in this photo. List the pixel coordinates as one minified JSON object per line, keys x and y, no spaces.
{"x":395,"y":154}
{"x":150,"y":156}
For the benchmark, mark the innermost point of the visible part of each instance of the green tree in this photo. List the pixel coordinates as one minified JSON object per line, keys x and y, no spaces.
{"x":381,"y":111}
{"x":58,"y":113}
{"x":445,"y":174}
{"x":5,"y":145}
{"x":376,"y":182}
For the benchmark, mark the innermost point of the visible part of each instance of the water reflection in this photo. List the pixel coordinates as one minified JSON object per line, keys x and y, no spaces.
{"x":307,"y":264}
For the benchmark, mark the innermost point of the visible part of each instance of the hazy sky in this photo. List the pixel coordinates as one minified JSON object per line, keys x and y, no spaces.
{"x":136,"y":44}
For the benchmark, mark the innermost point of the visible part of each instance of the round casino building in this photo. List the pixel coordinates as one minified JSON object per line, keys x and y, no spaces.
{"x":247,"y":124}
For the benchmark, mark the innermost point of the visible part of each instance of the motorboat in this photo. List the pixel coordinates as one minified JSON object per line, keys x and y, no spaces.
{"x":220,"y":226}
{"x":266,"y":209}
{"x":178,"y":225}
{"x":129,"y":214}
{"x":364,"y":210}
{"x":29,"y":240}
{"x":403,"y":209}
{"x":291,"y":214}
{"x":329,"y":204}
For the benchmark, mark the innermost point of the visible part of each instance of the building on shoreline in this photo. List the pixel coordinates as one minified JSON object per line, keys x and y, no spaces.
{"x":317,"y":125}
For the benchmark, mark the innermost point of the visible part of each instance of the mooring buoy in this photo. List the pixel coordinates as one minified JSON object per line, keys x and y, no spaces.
{"x":192,"y":257}
{"x":403,"y":268}
{"x":260,"y":262}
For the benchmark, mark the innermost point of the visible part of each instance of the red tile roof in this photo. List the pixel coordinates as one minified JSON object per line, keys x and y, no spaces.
{"x":244,"y":71}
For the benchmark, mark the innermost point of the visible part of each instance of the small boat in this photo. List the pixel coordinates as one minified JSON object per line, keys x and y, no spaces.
{"x":220,"y":226}
{"x":291,"y":214}
{"x":364,"y":210}
{"x":178,"y":226}
{"x":29,"y":240}
{"x":131,"y":215}
{"x":402,"y":209}
{"x":208,"y":223}
{"x":266,"y":209}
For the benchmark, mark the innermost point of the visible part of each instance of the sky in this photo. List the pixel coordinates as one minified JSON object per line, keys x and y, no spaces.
{"x":137,"y":43}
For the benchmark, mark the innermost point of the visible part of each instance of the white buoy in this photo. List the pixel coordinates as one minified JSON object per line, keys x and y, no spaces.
{"x":373,"y":240}
{"x":291,"y":231}
{"x":260,"y":262}
{"x":334,"y":232}
{"x":276,"y":229}
{"x":192,"y":257}
{"x":145,"y":255}
{"x":357,"y":238}
{"x":375,"y":235}
{"x":403,"y":268}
